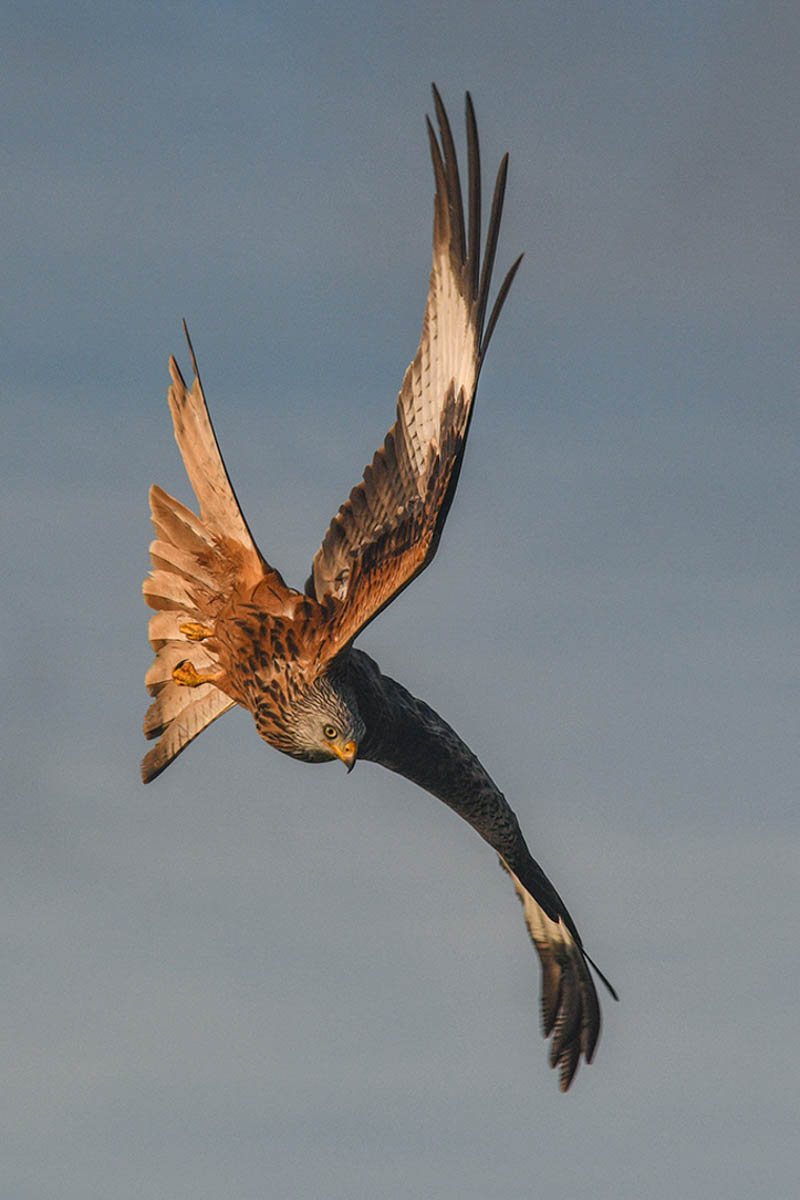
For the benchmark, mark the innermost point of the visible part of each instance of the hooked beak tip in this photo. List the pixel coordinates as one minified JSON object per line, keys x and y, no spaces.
{"x":350,"y":756}
{"x":347,"y":753}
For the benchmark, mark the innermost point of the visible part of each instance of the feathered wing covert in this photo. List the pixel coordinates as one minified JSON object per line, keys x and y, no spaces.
{"x":228,"y":630}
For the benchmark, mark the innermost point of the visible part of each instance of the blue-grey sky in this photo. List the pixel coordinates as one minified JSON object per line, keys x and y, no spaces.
{"x":255,"y":978}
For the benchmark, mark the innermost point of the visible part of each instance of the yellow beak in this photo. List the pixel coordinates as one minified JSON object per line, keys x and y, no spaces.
{"x":347,"y":753}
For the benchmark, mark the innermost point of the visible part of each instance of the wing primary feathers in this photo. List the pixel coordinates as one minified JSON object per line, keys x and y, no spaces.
{"x":454,"y":201}
{"x":498,"y":304}
{"x":570,"y":1008}
{"x":474,"y":202}
{"x":441,"y":215}
{"x":492,"y":234}
{"x":612,"y":991}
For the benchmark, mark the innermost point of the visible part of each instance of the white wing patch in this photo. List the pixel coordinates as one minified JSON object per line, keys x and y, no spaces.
{"x":570,"y":1008}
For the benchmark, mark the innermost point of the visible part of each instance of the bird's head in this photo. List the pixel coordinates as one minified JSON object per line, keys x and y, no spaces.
{"x":328,"y":724}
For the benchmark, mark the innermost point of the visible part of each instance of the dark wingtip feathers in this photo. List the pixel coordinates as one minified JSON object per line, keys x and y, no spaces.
{"x":570,"y":1010}
{"x":465,"y":245}
{"x":474,"y":196}
{"x":454,"y":200}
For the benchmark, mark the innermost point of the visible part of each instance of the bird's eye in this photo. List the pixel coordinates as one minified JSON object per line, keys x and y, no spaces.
{"x":330,"y":732}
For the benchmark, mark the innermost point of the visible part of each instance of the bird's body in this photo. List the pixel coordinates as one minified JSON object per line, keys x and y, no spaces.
{"x":228,"y":630}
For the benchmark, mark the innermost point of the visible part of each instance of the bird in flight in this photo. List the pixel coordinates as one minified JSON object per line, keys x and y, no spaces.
{"x":228,"y":630}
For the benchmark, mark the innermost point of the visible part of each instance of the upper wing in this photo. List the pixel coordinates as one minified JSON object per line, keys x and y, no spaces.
{"x":389,"y":528}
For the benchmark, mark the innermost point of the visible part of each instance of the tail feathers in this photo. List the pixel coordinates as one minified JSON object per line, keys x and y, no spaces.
{"x":190,"y":570}
{"x":570,"y":1008}
{"x":175,"y":717}
{"x":181,"y":562}
{"x":165,"y":626}
{"x":165,"y":589}
{"x":202,"y":458}
{"x":177,"y":524}
{"x":169,"y":656}
{"x":177,"y":713}
{"x":198,"y":564}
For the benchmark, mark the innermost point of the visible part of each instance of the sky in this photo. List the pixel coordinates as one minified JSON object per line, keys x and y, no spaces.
{"x":255,"y":978}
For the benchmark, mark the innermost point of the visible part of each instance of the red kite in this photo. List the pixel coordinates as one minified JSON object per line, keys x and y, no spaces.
{"x":227,"y":630}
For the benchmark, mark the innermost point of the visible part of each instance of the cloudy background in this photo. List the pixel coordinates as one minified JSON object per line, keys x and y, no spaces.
{"x":257,"y":979}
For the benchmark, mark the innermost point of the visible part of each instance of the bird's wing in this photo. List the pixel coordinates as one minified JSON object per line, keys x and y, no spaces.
{"x":389,"y":528}
{"x":569,"y":1005}
{"x":405,"y":735}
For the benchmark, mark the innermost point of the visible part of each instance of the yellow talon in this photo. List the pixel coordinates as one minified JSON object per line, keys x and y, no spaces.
{"x":185,"y":674}
{"x":195,"y":632}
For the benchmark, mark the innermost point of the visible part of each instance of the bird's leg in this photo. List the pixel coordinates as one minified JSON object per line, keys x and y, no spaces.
{"x":195,"y":632}
{"x":186,"y":675}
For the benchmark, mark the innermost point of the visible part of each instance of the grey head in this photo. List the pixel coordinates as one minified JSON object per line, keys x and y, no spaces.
{"x":325,"y":722}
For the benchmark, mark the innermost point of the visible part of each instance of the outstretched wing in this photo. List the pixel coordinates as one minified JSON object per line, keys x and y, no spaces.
{"x":405,"y":735}
{"x":389,"y":528}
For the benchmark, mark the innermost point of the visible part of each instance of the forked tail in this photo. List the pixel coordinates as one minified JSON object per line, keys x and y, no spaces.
{"x":179,"y":587}
{"x":195,"y":563}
